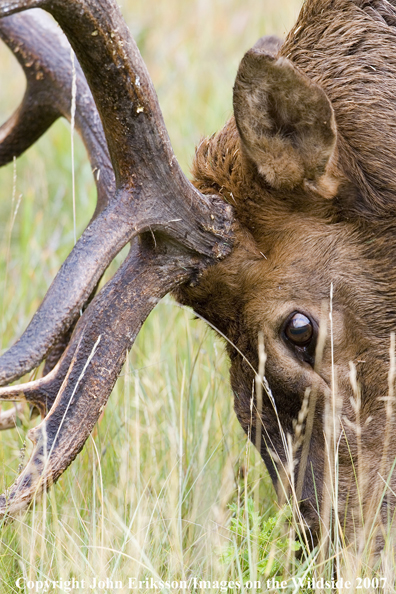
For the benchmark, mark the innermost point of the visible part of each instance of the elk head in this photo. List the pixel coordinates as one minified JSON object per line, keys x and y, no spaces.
{"x":307,"y":167}
{"x":306,"y":163}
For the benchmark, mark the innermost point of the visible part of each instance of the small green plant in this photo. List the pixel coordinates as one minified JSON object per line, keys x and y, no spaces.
{"x":269,"y":536}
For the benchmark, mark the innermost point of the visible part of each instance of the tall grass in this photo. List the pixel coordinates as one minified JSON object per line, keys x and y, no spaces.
{"x":167,"y":486}
{"x":149,"y":494}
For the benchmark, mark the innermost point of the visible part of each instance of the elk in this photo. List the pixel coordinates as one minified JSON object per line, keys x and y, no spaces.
{"x":284,"y":242}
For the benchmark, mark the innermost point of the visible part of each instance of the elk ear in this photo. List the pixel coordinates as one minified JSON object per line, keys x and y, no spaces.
{"x":286,"y":123}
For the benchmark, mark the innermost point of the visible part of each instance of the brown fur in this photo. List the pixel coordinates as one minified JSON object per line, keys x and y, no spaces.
{"x":309,"y":166}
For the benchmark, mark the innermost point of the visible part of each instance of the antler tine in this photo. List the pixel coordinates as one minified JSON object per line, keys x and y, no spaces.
{"x":32,"y":37}
{"x":8,"y":418}
{"x":41,"y":392}
{"x":70,"y":290}
{"x":146,"y":170}
{"x":99,"y":345}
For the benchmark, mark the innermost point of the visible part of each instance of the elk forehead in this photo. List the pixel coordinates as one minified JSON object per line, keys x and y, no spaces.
{"x":295,"y":274}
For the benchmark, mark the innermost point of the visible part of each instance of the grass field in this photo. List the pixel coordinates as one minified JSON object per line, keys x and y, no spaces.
{"x":153,"y":493}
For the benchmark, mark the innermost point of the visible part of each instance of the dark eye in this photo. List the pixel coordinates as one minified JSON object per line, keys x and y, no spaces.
{"x":299,"y":330}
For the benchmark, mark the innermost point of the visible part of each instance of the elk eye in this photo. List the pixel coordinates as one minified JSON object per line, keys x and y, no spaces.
{"x":299,"y":330}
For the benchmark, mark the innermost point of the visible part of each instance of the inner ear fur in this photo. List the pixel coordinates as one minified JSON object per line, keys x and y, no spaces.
{"x":286,"y":124}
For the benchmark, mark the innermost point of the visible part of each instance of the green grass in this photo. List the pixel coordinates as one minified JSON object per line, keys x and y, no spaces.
{"x":163,"y":487}
{"x":149,"y":494}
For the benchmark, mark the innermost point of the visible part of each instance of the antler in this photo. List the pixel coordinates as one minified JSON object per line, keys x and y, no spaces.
{"x":32,"y":37}
{"x":181,"y":232}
